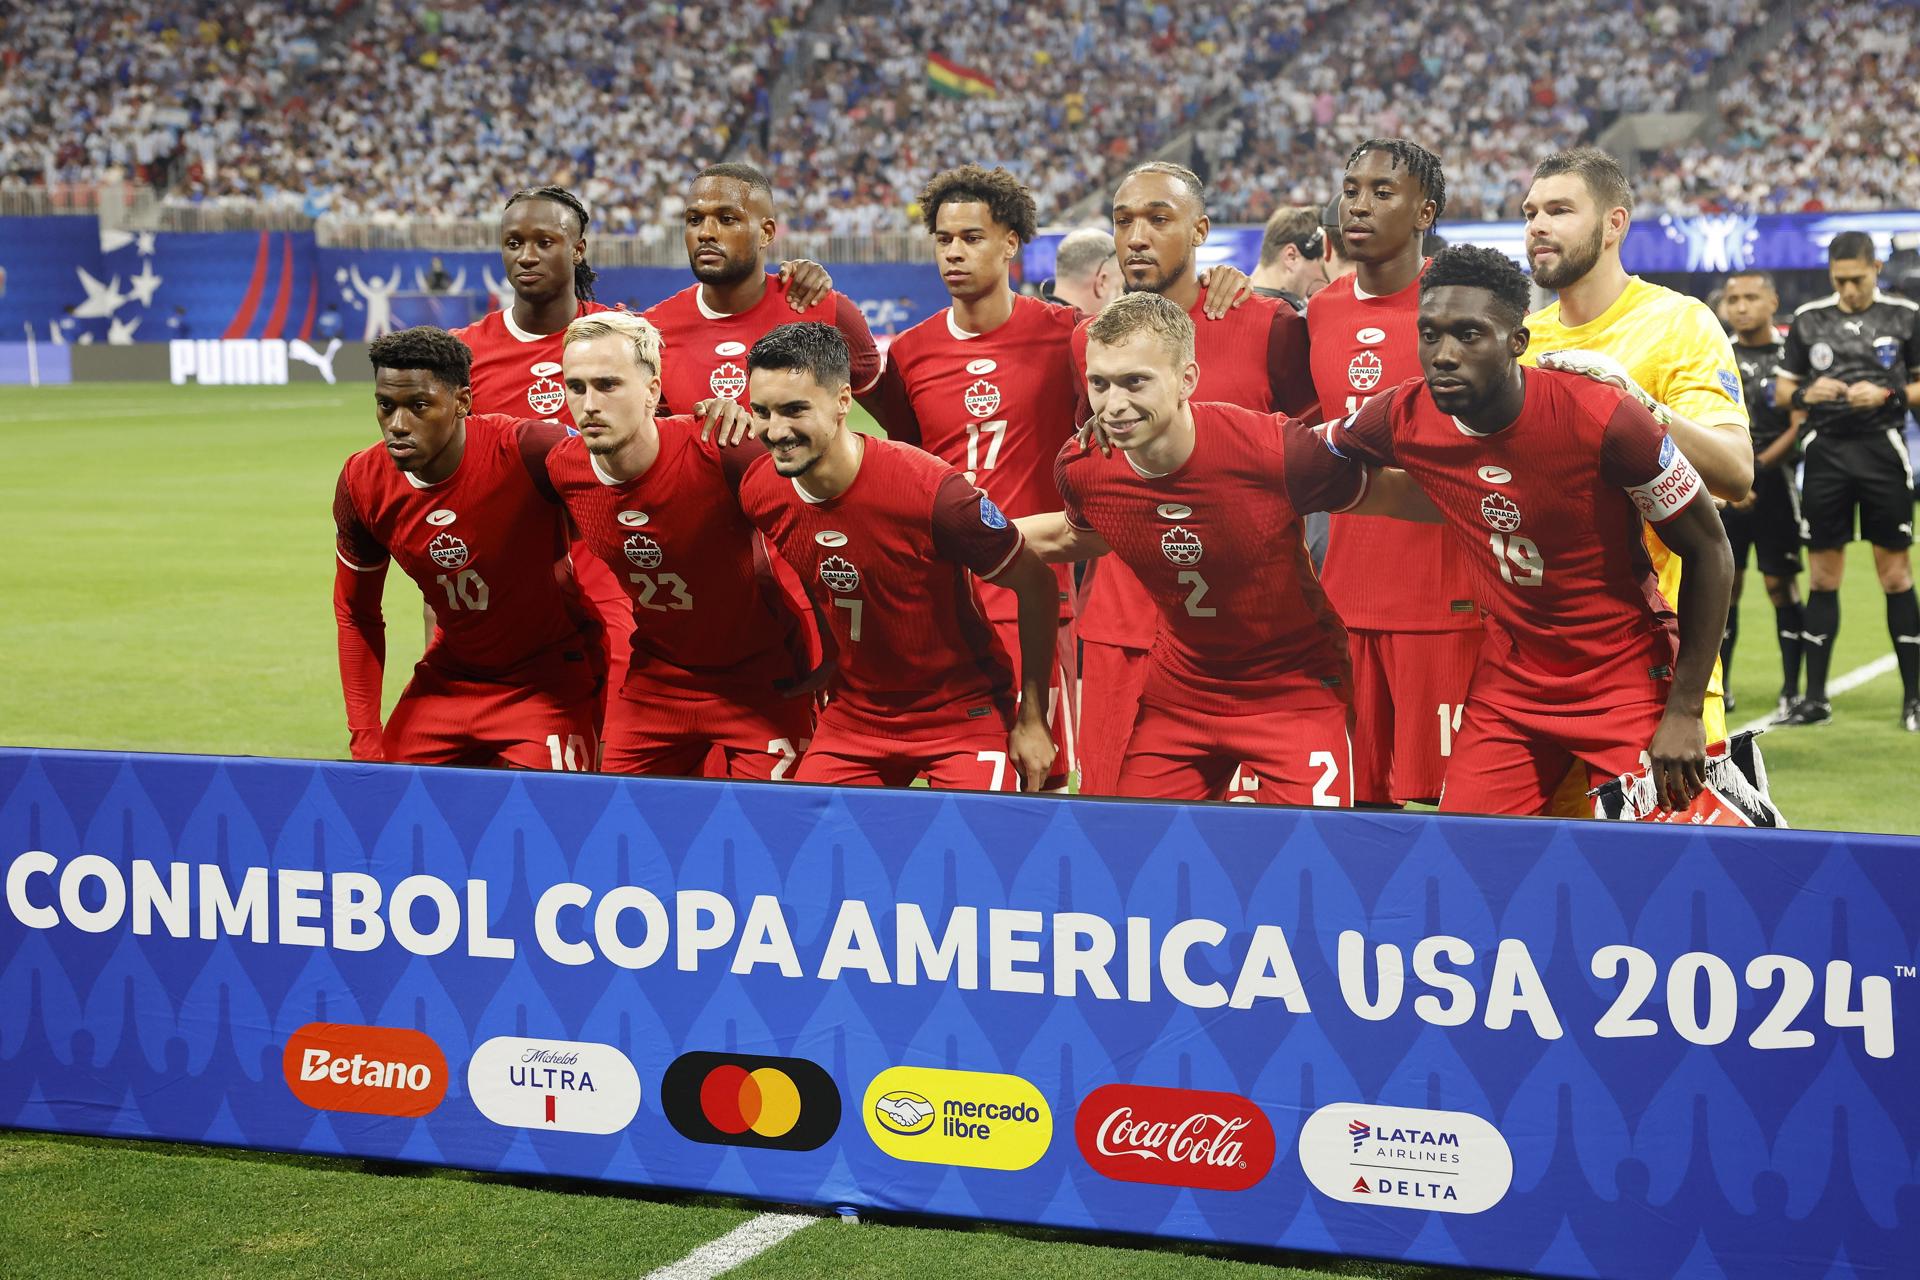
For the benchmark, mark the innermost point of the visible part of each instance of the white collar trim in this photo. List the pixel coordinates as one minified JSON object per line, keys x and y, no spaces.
{"x":953,"y":327}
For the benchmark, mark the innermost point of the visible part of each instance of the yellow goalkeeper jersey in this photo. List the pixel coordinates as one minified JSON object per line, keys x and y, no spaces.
{"x":1673,"y":346}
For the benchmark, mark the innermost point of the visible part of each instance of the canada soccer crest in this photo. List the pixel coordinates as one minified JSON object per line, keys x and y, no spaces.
{"x":1181,"y":545}
{"x":728,"y":381}
{"x":982,"y":398}
{"x":643,"y":551}
{"x":1364,"y":370}
{"x":1501,"y":512}
{"x":447,"y":551}
{"x":838,"y":573}
{"x":545,"y":396}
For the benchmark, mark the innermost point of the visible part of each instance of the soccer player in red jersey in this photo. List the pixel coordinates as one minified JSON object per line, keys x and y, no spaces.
{"x":986,"y":385}
{"x":1405,"y":591}
{"x":707,"y":327}
{"x":511,"y":675}
{"x":1203,"y":502}
{"x":1255,"y":357}
{"x":893,"y":539}
{"x":1546,"y":477}
{"x":722,"y":664}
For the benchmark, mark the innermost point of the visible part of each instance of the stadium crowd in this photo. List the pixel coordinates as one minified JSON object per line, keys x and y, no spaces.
{"x":1819,"y":123}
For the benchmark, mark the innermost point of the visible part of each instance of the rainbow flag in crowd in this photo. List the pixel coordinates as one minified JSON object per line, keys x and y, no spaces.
{"x":944,"y":75}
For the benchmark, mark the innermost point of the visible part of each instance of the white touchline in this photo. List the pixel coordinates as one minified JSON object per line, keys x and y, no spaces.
{"x":748,"y":1240}
{"x":1851,"y":680}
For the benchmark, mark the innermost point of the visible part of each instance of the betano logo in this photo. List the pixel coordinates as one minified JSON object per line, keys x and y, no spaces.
{"x":572,"y":1086}
{"x":377,"y":1071}
{"x":978,"y":1119}
{"x":1403,"y":1157}
{"x":743,"y":1100}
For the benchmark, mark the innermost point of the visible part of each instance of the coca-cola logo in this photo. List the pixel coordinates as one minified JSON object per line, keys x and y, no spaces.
{"x":1174,"y":1137}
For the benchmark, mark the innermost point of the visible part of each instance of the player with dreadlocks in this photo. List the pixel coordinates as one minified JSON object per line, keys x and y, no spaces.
{"x":1405,"y":591}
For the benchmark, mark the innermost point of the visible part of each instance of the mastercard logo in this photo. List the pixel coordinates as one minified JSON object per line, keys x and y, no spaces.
{"x":746,"y":1100}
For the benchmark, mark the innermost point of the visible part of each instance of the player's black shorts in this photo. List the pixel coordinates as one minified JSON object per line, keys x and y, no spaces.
{"x":1870,"y":471}
{"x":1771,"y":526}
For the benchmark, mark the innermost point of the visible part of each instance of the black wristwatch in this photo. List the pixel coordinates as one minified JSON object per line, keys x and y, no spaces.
{"x":1799,"y":398}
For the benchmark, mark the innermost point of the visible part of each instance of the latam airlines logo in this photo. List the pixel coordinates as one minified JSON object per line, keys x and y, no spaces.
{"x":728,"y":381}
{"x":545,"y":396}
{"x":447,"y":551}
{"x":1174,"y":1137}
{"x":1402,"y":1157}
{"x":742,"y":1100}
{"x":377,"y":1071}
{"x":977,"y":1119}
{"x":572,"y":1086}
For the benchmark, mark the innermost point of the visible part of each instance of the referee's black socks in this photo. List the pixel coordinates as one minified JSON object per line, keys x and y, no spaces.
{"x":1903,"y":624}
{"x":1789,"y":620}
{"x":1823,"y":624}
{"x":1727,"y":639}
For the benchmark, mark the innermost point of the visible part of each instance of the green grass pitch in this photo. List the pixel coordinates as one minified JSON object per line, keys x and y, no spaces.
{"x":167,"y":584}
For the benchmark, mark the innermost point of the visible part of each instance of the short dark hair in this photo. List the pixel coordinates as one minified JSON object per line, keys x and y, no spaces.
{"x":1475,"y":267}
{"x":1422,"y":164}
{"x":1180,"y":173}
{"x":583,"y":275}
{"x":1755,"y":273}
{"x":1852,"y":246}
{"x":738,"y":173}
{"x":806,"y":345}
{"x":1298,"y":226}
{"x":1005,"y":196}
{"x":424,"y":347}
{"x":1601,"y":172}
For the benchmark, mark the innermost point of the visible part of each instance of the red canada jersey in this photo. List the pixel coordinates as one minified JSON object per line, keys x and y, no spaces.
{"x":892,"y":558}
{"x":709,"y":616}
{"x":518,"y":373}
{"x":1548,"y":511}
{"x":997,"y":406}
{"x":1255,"y":357}
{"x":1219,"y":549}
{"x":487,"y":545}
{"x":703,"y":353}
{"x":1381,"y":574}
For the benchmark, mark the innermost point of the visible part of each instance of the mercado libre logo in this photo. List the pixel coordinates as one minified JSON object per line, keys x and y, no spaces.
{"x":572,"y":1086}
{"x":743,"y":1100}
{"x":1174,"y":1137}
{"x":1408,"y":1158}
{"x":978,"y":1119}
{"x":377,"y":1071}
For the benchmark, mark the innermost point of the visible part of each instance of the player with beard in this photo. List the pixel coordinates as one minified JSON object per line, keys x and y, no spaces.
{"x":511,"y":675}
{"x":1255,"y":357}
{"x":723,"y":656}
{"x":894,"y":539}
{"x":1546,"y":478}
{"x":706,"y":328}
{"x":1405,"y":591}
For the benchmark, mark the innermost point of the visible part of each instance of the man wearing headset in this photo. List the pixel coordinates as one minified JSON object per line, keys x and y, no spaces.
{"x":1293,"y":257}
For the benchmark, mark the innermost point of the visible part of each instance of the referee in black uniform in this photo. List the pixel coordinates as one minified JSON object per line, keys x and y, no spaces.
{"x":1768,"y":522}
{"x":1852,"y":366}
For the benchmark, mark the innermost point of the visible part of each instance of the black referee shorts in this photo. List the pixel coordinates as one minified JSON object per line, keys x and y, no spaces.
{"x":1770,"y":527}
{"x":1869,"y":471}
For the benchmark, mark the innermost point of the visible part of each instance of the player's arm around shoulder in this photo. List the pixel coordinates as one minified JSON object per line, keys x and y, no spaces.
{"x":1064,"y":536}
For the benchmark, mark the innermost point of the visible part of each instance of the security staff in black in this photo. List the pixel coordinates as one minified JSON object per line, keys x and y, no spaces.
{"x":1853,"y":367}
{"x":1768,"y":521}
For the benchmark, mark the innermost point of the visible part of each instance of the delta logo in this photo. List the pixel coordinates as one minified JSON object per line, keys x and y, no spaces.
{"x":545,"y":396}
{"x":975,"y":1119}
{"x":568,"y":1086}
{"x":728,"y":381}
{"x":1406,"y":1157}
{"x":1500,"y":511}
{"x":643,"y":551}
{"x":447,"y":551}
{"x":1174,"y":1137}
{"x":743,"y":1100}
{"x":1181,"y":545}
{"x":1364,"y":370}
{"x":376,"y":1071}
{"x":982,"y":398}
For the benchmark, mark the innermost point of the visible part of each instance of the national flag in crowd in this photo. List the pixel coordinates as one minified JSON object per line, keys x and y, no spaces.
{"x":944,"y":75}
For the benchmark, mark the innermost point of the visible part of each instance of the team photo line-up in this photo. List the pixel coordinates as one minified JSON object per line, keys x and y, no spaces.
{"x":653,"y":543}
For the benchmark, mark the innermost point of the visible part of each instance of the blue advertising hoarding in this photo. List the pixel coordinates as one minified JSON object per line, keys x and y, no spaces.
{"x":1569,"y":1048}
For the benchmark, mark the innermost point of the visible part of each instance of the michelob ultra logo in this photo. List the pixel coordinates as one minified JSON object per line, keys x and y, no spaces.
{"x":1408,"y":1158}
{"x":979,"y":1119}
{"x":574,"y":1086}
{"x":378,"y":1071}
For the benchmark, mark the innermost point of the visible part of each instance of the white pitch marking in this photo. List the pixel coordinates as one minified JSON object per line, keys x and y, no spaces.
{"x":1851,"y":680}
{"x":748,"y":1240}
